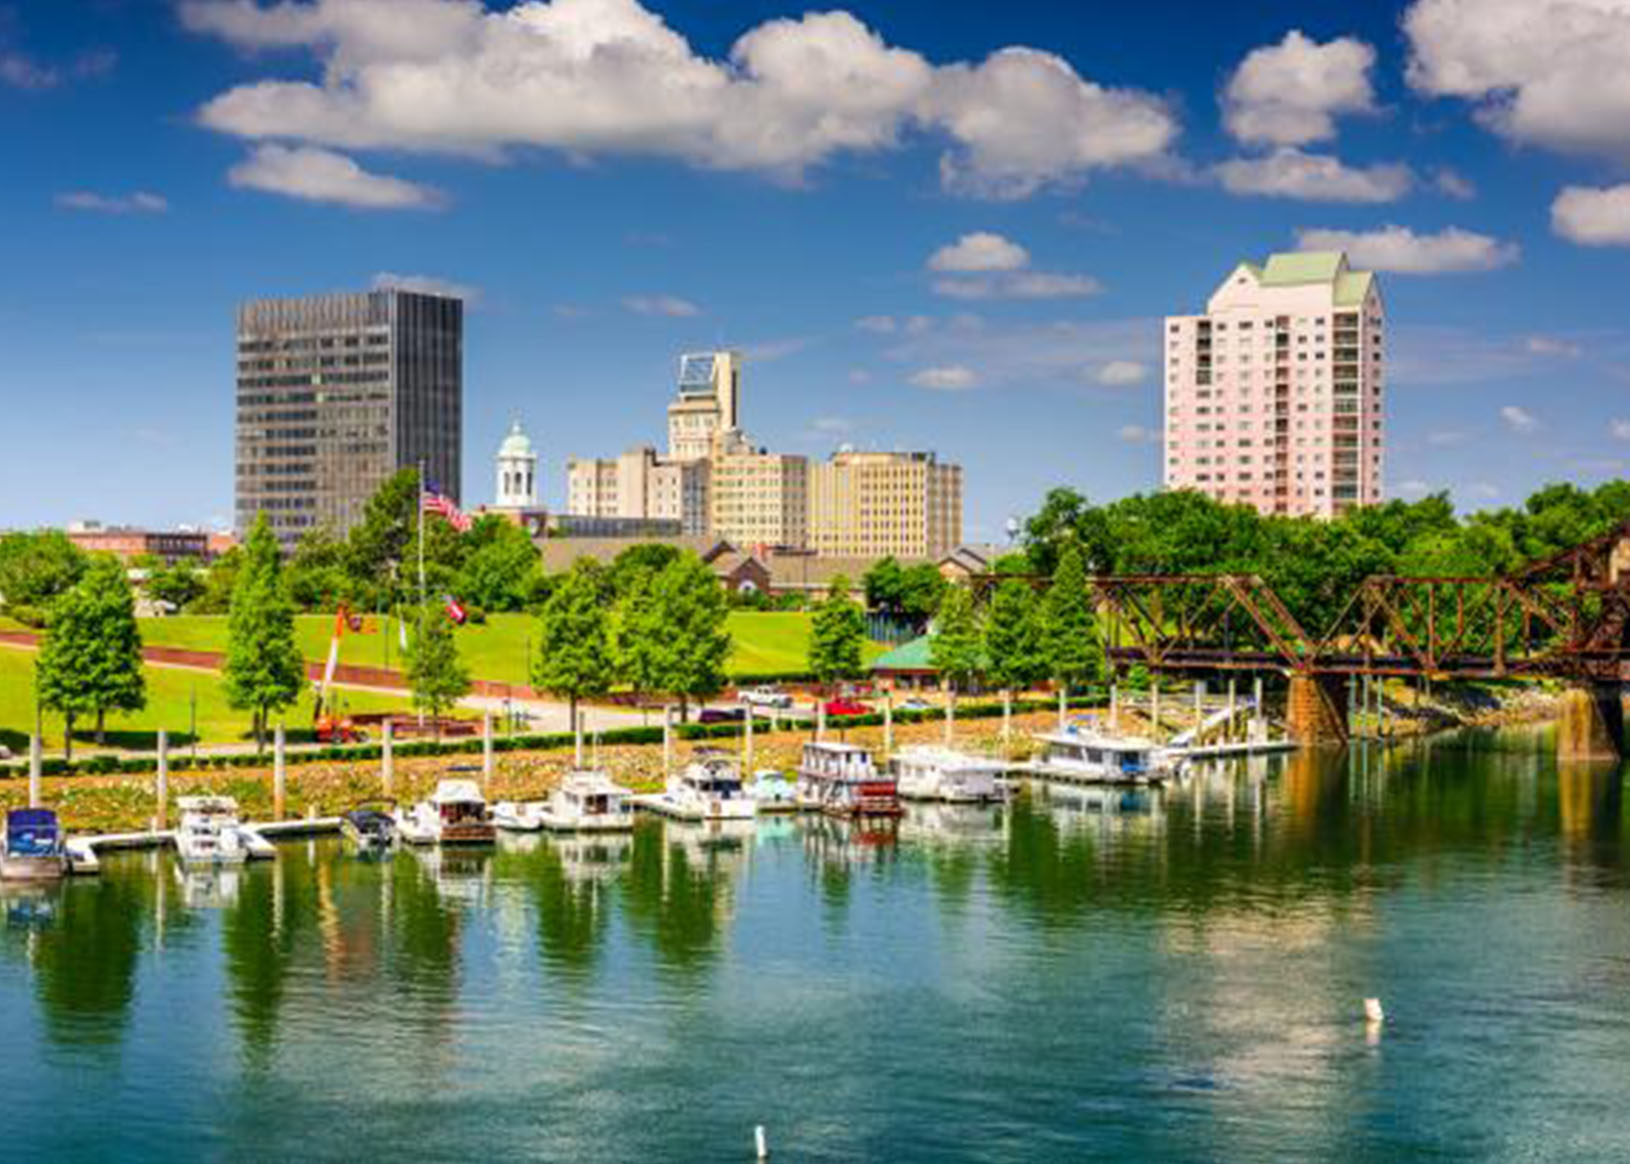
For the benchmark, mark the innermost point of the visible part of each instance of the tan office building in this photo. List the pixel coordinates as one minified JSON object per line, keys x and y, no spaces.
{"x":639,"y":485}
{"x":708,"y":405}
{"x":758,"y":498}
{"x":868,"y":505}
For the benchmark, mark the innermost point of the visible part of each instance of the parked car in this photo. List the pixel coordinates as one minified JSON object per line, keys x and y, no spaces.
{"x":722,"y":714}
{"x":765,"y":697}
{"x":842,"y":706}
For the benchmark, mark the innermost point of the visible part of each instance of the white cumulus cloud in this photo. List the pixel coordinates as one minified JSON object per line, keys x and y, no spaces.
{"x":980,"y":251}
{"x":1294,"y":173}
{"x":1619,"y":429}
{"x":608,"y":77}
{"x":139,"y":202}
{"x":1518,"y":420}
{"x":1399,"y":249}
{"x":319,"y":175}
{"x":671,"y":306}
{"x":1593,"y":216}
{"x":1122,"y":373}
{"x":949,"y":378}
{"x":1290,"y":93}
{"x":1137,"y":434}
{"x":1547,"y":345}
{"x":1549,"y":73}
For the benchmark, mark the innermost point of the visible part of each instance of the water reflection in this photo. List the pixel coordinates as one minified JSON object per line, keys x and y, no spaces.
{"x":678,"y":891}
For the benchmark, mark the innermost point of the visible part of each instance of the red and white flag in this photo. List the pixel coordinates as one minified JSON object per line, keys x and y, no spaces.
{"x":453,"y":609}
{"x":437,"y":503}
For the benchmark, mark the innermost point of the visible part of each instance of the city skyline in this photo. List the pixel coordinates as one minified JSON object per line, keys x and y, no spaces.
{"x":893,"y":277}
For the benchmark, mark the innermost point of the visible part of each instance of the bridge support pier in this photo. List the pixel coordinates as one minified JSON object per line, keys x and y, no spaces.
{"x":1313,"y":710}
{"x":1591,"y":726}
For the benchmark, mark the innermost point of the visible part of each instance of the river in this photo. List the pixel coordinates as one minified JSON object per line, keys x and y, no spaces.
{"x":1175,"y":978}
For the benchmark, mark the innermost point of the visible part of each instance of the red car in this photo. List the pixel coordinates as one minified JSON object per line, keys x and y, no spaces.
{"x":842,"y":707}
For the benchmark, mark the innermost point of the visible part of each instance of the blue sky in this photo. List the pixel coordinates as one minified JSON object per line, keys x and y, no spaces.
{"x":615,"y":184}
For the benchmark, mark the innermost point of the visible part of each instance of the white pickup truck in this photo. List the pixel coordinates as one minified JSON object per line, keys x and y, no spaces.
{"x":764,"y":697}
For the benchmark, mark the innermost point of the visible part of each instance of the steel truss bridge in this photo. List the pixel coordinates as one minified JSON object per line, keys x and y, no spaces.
{"x":1566,"y":616}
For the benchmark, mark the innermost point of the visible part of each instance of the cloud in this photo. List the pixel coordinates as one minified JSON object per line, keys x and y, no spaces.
{"x":1137,"y":434}
{"x":949,"y":378}
{"x":1593,"y":216}
{"x":1545,"y":345}
{"x":1413,"y":488}
{"x":21,"y":72}
{"x":1399,"y":249}
{"x":1122,"y":373}
{"x":998,"y":270}
{"x":878,"y":324}
{"x":1445,"y":438}
{"x":831,"y":425}
{"x":139,"y":202}
{"x":1452,"y":184}
{"x":980,"y":251}
{"x":671,"y":306}
{"x":1518,"y":420}
{"x":610,"y":77}
{"x":859,"y":376}
{"x":317,"y":175}
{"x":1293,"y":173}
{"x":1057,"y":353}
{"x":428,"y":285}
{"x":1290,"y":93}
{"x":766,"y":351}
{"x":1549,"y":73}
{"x":1618,"y":429}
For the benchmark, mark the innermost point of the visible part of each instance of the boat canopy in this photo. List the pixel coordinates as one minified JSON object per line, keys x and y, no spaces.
{"x":33,"y":819}
{"x":458,"y":792}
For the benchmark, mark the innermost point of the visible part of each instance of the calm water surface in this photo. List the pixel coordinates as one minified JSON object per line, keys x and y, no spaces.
{"x":1053,"y":980}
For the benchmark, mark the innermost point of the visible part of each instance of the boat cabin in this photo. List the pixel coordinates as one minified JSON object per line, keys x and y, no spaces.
{"x":1132,"y":759}
{"x":459,"y":802}
{"x":715,"y":773}
{"x":33,"y":832}
{"x":830,"y":760}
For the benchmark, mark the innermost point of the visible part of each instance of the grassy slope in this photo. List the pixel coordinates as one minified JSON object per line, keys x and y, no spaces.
{"x":770,"y":642}
{"x":169,"y":692}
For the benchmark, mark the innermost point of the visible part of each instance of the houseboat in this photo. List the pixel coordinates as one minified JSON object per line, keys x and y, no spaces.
{"x":841,"y":780}
{"x":587,"y":801}
{"x":773,"y":791}
{"x":35,"y":850}
{"x":952,"y":777}
{"x":210,"y":832}
{"x":1084,"y":756}
{"x":369,"y":830}
{"x":709,"y":788}
{"x":455,"y":814}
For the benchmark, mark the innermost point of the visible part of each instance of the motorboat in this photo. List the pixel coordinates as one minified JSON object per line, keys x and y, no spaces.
{"x":210,"y":832}
{"x":841,"y":780}
{"x":773,"y":791}
{"x":35,"y":849}
{"x":948,"y":776}
{"x":455,"y":813}
{"x":370,"y":830}
{"x":587,"y":800}
{"x":1088,"y":756}
{"x":518,"y":816}
{"x":709,"y":788}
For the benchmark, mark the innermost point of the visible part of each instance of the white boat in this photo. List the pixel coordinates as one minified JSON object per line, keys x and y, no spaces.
{"x":841,"y":780}
{"x":946,"y":775}
{"x":518,"y":816}
{"x":587,"y":801}
{"x":455,"y":814}
{"x":210,"y":832}
{"x":708,"y":788}
{"x":774,"y":791}
{"x":1087,"y":756}
{"x":369,"y":830}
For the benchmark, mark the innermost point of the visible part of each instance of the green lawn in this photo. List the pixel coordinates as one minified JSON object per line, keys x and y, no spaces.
{"x":764,"y":642}
{"x":169,"y":695}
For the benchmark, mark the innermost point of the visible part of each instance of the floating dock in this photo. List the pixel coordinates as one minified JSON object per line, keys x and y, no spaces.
{"x":84,"y":853}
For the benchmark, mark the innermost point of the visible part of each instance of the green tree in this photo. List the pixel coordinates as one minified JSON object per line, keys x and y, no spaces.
{"x":380,"y":544}
{"x":638,"y":638}
{"x":1069,"y":631}
{"x":922,"y":587}
{"x":885,"y":586}
{"x":35,"y":568}
{"x":694,"y":610}
{"x":264,"y":671}
{"x":1014,"y":650}
{"x":502,"y":569}
{"x":90,"y":657}
{"x":435,"y":675}
{"x":837,"y":633}
{"x":220,"y":580}
{"x":643,"y":559}
{"x":957,"y":646}
{"x":177,"y":585}
{"x":574,"y":659}
{"x":317,"y":575}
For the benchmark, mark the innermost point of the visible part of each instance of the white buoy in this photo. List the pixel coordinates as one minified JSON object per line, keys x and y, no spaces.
{"x":762,"y":1142}
{"x":1372,"y":1010}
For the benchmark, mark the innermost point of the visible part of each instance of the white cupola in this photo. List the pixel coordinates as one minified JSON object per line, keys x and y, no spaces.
{"x":517,"y":481}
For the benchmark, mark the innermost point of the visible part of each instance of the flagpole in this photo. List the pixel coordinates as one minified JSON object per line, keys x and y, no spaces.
{"x":420,"y":639}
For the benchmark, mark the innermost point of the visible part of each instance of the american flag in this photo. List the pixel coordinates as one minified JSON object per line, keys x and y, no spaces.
{"x":454,"y":611}
{"x":430,"y":501}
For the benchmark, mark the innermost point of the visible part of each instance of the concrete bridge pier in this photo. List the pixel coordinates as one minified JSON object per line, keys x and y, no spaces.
{"x":1314,"y":709}
{"x":1591,"y":726}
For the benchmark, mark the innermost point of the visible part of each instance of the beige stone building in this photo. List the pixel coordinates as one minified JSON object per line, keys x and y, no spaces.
{"x":708,"y":404}
{"x":639,"y":485}
{"x":868,"y":505}
{"x":756,"y":497}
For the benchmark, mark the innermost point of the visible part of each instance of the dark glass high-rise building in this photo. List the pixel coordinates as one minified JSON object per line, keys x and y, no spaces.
{"x":337,"y":392}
